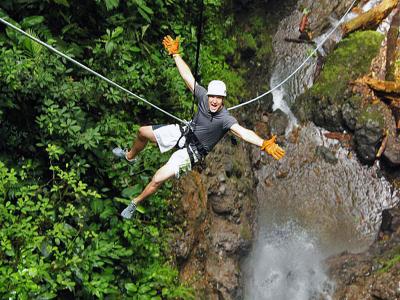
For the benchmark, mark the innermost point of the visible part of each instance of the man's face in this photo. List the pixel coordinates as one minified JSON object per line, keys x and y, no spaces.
{"x":215,"y":103}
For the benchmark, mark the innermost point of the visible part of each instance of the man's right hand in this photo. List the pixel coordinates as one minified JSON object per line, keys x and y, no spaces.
{"x":171,"y":45}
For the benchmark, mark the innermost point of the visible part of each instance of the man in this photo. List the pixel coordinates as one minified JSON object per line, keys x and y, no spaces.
{"x":304,"y":26}
{"x":210,"y":124}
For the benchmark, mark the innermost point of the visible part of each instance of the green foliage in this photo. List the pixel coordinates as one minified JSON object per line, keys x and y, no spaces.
{"x":61,"y":189}
{"x":63,"y":236}
{"x":389,"y":260}
{"x":389,"y":264}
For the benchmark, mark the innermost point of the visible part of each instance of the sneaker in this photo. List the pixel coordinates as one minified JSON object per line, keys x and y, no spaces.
{"x":128,"y":212}
{"x":118,"y":152}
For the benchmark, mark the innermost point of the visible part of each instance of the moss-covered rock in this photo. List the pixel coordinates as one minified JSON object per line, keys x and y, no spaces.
{"x":323,"y":103}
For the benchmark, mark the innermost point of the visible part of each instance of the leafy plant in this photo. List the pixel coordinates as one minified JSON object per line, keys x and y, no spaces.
{"x":61,"y":189}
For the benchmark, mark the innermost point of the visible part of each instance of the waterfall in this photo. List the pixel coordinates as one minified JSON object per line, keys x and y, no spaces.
{"x":277,"y":276}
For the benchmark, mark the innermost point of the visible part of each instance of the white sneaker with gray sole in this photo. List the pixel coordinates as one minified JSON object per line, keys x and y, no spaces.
{"x":128,"y":212}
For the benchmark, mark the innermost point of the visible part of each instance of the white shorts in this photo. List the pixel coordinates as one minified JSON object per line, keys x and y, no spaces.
{"x":167,"y":137}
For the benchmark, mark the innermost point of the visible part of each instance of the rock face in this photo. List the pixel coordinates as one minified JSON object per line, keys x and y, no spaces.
{"x":217,"y":214}
{"x":338,"y":101}
{"x":328,"y":103}
{"x":392,"y":152}
{"x":278,"y":122}
{"x":374,"y":274}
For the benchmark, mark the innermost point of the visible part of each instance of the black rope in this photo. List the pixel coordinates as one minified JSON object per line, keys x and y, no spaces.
{"x":196,"y":67}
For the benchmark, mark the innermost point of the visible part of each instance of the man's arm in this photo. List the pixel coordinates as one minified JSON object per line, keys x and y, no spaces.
{"x":185,"y":72}
{"x":246,"y":135}
{"x":250,"y":136}
{"x":172,"y":47}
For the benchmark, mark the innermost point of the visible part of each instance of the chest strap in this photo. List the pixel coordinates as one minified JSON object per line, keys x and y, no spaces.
{"x":197,"y":152}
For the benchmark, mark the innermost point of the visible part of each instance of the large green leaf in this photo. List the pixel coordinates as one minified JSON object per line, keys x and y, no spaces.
{"x":111,"y":4}
{"x":32,"y":21}
{"x":130,"y":191}
{"x":62,"y":2}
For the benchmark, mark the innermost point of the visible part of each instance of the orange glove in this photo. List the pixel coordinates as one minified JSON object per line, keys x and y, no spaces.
{"x":171,"y":45}
{"x":272,"y":148}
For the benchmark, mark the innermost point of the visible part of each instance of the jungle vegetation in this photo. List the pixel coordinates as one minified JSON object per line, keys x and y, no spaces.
{"x":61,"y":190}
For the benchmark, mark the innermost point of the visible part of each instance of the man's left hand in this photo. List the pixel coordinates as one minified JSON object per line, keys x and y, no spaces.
{"x":272,"y":148}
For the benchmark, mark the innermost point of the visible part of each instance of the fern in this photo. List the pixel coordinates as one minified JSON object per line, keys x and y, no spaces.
{"x":32,"y":48}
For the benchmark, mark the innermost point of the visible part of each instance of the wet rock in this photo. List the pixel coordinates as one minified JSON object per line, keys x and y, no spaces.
{"x":221,"y":178}
{"x":373,"y":274}
{"x":229,"y":168}
{"x":226,"y":237}
{"x":208,"y":171}
{"x":349,"y":116}
{"x":268,"y":104}
{"x":222,"y":189}
{"x":350,"y":111}
{"x":282,"y":174}
{"x":232,"y":168}
{"x":392,"y":151}
{"x":224,"y":275}
{"x":222,"y":204}
{"x":390,"y":221}
{"x":278,"y":122}
{"x":183,"y":247}
{"x":329,"y":45}
{"x":262,"y":128}
{"x":323,"y":12}
{"x":326,"y":154}
{"x":369,"y":132}
{"x":330,"y":115}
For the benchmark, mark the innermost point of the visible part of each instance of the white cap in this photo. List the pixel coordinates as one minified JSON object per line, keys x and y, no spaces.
{"x":216,"y":88}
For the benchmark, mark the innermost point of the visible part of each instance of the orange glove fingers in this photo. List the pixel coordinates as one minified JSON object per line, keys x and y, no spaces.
{"x":168,"y":40}
{"x":171,"y":45}
{"x":279,"y":153}
{"x":277,"y":156}
{"x":175,"y":46}
{"x":273,"y":149}
{"x":269,"y":142}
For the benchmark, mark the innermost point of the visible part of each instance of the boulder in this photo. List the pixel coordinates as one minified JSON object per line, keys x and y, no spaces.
{"x":392,"y":151}
{"x":350,"y":112}
{"x":369,"y":132}
{"x":223,"y":273}
{"x":326,"y":154}
{"x":278,"y":122}
{"x":221,"y":205}
{"x":324,"y":102}
{"x":373,"y":274}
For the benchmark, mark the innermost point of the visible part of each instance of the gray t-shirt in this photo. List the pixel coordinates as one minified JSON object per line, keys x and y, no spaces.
{"x":209,"y":127}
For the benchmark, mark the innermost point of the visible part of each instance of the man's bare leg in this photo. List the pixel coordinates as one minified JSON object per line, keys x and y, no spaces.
{"x":145,"y":134}
{"x":164,"y":173}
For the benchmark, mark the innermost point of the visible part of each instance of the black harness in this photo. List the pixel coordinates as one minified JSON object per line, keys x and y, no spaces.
{"x":197,"y":152}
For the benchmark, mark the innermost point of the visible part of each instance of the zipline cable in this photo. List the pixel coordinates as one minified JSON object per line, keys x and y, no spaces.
{"x":89,"y":70}
{"x":299,"y":67}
